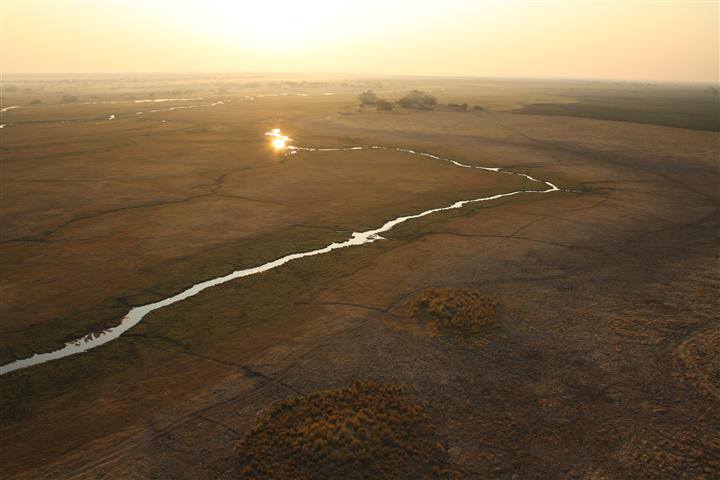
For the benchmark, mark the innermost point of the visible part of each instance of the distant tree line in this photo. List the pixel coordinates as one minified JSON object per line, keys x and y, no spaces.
{"x":416,"y":99}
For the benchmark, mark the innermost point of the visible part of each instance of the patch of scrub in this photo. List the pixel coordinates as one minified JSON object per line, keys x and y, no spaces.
{"x":366,"y":430}
{"x":457,"y":312}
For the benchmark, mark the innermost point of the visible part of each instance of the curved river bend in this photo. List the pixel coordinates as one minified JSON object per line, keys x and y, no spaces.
{"x":135,"y":315}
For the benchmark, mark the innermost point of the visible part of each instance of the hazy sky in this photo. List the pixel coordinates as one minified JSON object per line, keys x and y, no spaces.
{"x":672,"y":40}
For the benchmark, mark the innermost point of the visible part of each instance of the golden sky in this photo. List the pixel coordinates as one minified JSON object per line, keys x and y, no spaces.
{"x":671,"y":40}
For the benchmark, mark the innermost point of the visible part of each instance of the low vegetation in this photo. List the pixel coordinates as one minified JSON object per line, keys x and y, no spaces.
{"x":366,"y":430}
{"x":548,"y":397}
{"x":455,"y":311}
{"x":693,"y":109}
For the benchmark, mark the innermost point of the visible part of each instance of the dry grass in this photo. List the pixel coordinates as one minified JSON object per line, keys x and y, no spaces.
{"x":366,"y":430}
{"x":578,"y":380}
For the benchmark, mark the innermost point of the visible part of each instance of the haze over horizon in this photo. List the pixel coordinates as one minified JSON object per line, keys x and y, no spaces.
{"x":649,"y":41}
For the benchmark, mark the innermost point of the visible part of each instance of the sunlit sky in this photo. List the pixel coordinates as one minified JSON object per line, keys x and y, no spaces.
{"x":669,"y":41}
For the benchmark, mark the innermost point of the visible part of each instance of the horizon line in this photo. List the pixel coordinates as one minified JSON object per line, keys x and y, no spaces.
{"x":361,"y":74}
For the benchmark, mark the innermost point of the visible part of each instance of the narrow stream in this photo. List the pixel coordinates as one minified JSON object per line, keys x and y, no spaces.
{"x":135,"y":315}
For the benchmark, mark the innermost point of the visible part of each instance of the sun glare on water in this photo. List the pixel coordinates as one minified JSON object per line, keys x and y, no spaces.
{"x":279,"y":141}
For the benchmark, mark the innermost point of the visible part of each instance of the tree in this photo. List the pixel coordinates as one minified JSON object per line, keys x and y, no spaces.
{"x":384,"y":105}
{"x":429,"y":100}
{"x":368,"y":97}
{"x":417,"y":99}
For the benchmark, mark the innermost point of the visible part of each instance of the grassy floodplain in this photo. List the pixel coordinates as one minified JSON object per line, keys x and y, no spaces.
{"x":602,"y":348}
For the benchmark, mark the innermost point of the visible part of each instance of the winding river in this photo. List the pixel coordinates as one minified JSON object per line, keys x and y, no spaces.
{"x":136,"y":314}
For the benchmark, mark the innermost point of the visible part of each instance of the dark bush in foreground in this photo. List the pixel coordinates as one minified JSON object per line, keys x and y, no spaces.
{"x":366,"y":430}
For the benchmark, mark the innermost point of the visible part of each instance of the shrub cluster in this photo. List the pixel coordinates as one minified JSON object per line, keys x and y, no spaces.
{"x":417,"y":99}
{"x":366,"y":430}
{"x":384,"y":105}
{"x":462,"y":311}
{"x":368,"y":97}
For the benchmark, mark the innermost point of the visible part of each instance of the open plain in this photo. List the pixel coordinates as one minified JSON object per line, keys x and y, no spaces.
{"x":596,"y":354}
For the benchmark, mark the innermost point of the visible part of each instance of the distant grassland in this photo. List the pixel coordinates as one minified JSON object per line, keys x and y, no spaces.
{"x":692,"y":109}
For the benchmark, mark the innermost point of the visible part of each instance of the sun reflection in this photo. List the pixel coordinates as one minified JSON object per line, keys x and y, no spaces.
{"x":279,"y":141}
